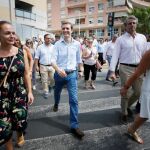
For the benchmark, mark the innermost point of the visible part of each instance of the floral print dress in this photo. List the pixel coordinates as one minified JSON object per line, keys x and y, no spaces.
{"x":13,"y":97}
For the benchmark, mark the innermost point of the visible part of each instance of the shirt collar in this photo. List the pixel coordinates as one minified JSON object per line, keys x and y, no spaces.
{"x":128,"y":34}
{"x":72,"y":40}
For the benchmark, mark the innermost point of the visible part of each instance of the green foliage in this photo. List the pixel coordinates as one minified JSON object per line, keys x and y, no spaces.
{"x":143,"y":15}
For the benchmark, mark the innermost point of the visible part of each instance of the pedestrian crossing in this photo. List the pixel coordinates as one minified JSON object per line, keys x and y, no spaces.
{"x":99,"y":112}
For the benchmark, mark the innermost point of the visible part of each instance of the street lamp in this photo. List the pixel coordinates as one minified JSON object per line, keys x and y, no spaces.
{"x":79,"y":22}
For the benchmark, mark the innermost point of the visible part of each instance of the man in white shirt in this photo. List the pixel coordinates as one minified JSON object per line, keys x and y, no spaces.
{"x":43,"y":54}
{"x":129,"y":49}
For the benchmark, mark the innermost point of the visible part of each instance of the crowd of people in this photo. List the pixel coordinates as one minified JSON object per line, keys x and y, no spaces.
{"x":60,"y":62}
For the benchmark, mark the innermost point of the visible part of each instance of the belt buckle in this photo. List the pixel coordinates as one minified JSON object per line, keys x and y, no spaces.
{"x":70,"y":71}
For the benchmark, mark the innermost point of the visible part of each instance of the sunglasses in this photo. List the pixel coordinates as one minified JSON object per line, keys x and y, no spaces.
{"x":28,"y":42}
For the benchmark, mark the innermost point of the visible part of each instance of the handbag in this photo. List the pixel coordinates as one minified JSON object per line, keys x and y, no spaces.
{"x":3,"y":82}
{"x":98,"y":65}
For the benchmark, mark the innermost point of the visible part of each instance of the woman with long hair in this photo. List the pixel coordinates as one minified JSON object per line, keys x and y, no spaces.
{"x":15,"y":88}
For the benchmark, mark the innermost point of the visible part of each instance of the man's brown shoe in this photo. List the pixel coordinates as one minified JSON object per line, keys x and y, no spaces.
{"x":77,"y":132}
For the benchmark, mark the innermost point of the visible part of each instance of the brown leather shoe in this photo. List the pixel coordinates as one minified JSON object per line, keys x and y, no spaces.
{"x":130,"y":113}
{"x":55,"y":108}
{"x":77,"y":132}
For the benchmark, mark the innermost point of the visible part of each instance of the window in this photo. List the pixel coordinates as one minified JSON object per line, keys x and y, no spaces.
{"x":91,"y":9}
{"x":100,"y":32}
{"x":91,"y":32}
{"x":62,"y":3}
{"x":91,"y":20}
{"x":110,"y":3}
{"x":49,"y":6}
{"x":100,"y":20}
{"x":100,"y":6}
{"x":114,"y":31}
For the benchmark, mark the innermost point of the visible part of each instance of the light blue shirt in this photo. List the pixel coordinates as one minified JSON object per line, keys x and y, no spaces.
{"x":100,"y":48}
{"x":44,"y":54}
{"x":67,"y":55}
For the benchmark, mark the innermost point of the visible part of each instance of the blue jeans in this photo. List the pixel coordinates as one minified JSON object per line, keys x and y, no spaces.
{"x":109,"y":61}
{"x":71,"y":82}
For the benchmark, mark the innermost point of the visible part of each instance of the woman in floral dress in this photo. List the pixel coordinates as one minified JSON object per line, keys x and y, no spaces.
{"x":17,"y":92}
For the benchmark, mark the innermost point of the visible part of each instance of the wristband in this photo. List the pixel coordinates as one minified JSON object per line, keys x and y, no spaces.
{"x":79,"y":71}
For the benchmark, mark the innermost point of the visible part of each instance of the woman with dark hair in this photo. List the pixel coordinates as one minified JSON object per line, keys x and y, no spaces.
{"x":15,"y":87}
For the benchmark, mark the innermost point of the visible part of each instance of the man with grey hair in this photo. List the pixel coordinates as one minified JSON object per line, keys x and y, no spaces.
{"x":129,"y":49}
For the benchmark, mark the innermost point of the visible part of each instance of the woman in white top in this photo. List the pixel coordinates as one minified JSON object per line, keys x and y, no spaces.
{"x":90,"y":55}
{"x":144,"y":115}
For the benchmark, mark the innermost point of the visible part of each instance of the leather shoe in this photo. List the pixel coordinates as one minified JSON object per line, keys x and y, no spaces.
{"x":130,"y":113}
{"x":77,"y":132}
{"x":124,"y":118}
{"x":55,"y":108}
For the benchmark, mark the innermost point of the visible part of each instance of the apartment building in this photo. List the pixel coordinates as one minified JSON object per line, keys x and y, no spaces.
{"x":29,"y":17}
{"x":88,"y":16}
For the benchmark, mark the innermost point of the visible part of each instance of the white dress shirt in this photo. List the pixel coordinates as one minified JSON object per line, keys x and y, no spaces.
{"x":128,"y":50}
{"x":110,"y":48}
{"x":44,"y":54}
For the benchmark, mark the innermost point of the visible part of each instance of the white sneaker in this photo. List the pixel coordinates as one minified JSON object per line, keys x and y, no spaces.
{"x":34,"y":87}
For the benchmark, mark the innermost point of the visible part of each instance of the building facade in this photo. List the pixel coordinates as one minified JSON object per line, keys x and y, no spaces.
{"x":29,"y":17}
{"x":88,"y":16}
{"x":140,"y":3}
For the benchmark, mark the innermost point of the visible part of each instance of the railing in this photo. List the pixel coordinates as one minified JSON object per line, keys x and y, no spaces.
{"x":25,"y":14}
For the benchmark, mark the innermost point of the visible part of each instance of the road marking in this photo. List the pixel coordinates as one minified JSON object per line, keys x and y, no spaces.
{"x":84,"y":107}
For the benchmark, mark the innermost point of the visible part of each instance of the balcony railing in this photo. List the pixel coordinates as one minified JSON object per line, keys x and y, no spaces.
{"x":25,"y":14}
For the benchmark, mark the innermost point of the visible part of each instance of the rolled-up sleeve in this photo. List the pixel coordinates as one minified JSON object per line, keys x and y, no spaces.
{"x":115,"y":55}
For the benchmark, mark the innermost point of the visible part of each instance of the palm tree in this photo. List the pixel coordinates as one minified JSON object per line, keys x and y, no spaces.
{"x":143,"y":15}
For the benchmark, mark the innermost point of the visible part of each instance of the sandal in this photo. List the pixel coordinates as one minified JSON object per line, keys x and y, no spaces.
{"x":20,"y":139}
{"x":135,"y":136}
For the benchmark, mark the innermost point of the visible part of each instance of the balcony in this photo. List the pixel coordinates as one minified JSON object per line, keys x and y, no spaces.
{"x":140,"y":3}
{"x":117,"y":9}
{"x":75,"y":3}
{"x":25,"y":14}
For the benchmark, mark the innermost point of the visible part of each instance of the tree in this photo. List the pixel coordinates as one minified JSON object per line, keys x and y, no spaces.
{"x":143,"y":15}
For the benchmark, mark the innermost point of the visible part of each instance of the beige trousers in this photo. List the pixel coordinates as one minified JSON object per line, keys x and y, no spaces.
{"x":47,"y":77}
{"x":133,"y":92}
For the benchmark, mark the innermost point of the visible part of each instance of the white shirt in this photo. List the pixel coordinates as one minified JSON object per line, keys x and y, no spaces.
{"x":92,"y":59}
{"x":128,"y":50}
{"x":148,"y":45}
{"x":110,"y":47}
{"x":44,"y":54}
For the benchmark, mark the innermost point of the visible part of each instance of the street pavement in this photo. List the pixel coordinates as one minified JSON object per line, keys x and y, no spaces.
{"x":99,"y":113}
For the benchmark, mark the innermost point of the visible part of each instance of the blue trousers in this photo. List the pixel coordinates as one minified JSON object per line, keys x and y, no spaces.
{"x":71,"y":82}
